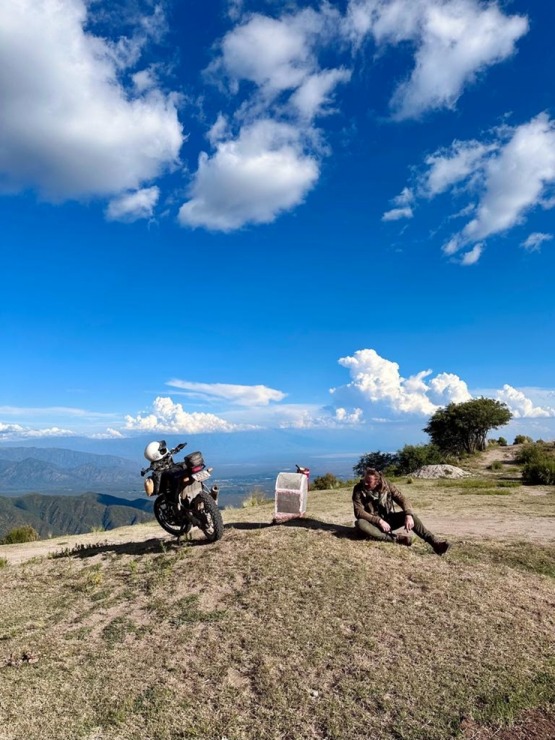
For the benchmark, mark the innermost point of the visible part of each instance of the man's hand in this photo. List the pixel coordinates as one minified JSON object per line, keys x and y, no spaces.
{"x":384,"y":526}
{"x":409,"y":522}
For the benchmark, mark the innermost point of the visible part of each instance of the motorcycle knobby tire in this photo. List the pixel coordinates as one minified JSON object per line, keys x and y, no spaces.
{"x":210,"y":517}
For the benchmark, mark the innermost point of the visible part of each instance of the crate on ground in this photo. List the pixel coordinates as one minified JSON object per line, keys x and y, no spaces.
{"x":290,"y":496}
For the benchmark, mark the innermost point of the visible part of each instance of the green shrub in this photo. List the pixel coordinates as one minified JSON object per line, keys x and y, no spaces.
{"x":532,"y":452}
{"x":539,"y":473}
{"x":326,"y":482}
{"x":413,"y":457}
{"x":502,"y":442}
{"x":3,"y":563}
{"x":496,"y":465}
{"x":26,"y":533}
{"x":522,"y":439}
{"x":492,"y":442}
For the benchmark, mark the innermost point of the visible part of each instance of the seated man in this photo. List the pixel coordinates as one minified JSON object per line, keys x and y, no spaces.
{"x":373,"y":502}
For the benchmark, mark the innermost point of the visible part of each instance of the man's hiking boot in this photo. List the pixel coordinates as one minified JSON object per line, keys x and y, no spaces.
{"x":440,"y":548}
{"x":403,"y":539}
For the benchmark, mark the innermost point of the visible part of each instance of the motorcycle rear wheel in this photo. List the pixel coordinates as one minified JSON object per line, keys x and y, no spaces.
{"x":207,"y":511}
{"x":169,"y":519}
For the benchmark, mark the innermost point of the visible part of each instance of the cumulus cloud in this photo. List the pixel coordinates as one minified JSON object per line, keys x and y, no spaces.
{"x":534,"y":241}
{"x":253,"y":178}
{"x":10,"y":432}
{"x":397,"y":213}
{"x":70,"y":129}
{"x":108,"y":434}
{"x":379,"y":382}
{"x":242,"y":395}
{"x":171,"y":417}
{"x":454,"y":40}
{"x":267,"y":156}
{"x":505,"y":177}
{"x":133,"y":206}
{"x":516,"y":179}
{"x":520,"y":405}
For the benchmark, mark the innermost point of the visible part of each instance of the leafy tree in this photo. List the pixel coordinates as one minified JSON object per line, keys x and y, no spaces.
{"x":502,"y":442}
{"x":378,"y":460}
{"x":413,"y":457}
{"x":462,"y":427}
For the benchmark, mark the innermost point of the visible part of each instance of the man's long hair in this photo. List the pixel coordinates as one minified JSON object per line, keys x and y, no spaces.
{"x":380,"y":484}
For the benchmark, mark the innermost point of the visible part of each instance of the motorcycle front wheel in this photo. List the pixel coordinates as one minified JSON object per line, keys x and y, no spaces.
{"x":169,"y":518}
{"x":210,"y":517}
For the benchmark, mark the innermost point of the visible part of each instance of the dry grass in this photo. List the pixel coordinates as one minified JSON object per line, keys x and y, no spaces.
{"x":291,"y":631}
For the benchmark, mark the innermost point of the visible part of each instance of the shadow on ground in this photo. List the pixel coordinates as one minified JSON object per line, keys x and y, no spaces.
{"x":339,"y":530}
{"x":163,"y":545}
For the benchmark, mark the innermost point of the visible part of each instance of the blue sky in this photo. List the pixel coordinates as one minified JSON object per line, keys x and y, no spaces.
{"x":275,"y":215}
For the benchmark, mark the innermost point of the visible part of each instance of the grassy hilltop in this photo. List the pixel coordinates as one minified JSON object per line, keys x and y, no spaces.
{"x":292,"y":631}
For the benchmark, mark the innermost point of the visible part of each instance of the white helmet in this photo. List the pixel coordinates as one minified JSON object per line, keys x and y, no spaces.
{"x":155,"y":451}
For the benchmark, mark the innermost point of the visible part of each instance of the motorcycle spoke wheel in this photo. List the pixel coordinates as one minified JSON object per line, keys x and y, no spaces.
{"x":169,"y":518}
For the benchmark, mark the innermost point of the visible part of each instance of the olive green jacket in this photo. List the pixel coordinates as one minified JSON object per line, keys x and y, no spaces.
{"x":375,"y":505}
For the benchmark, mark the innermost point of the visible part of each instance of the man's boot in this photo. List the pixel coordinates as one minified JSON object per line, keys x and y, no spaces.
{"x":403,"y":539}
{"x":440,"y":547}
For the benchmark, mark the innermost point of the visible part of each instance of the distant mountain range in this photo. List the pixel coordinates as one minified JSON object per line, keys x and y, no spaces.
{"x":52,"y":516}
{"x":60,"y":470}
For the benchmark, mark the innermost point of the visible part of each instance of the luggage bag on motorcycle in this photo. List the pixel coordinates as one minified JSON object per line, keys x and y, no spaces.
{"x":194,"y":462}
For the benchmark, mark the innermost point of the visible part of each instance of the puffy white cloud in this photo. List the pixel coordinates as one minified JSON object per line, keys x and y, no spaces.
{"x":313,"y":95}
{"x":455,"y":40}
{"x":505,"y":177}
{"x":17,"y":431}
{"x":516,"y":179}
{"x":168,"y":416}
{"x":276,"y":54}
{"x":522,"y":406}
{"x":70,"y":128}
{"x":242,"y":395}
{"x":453,"y":165}
{"x":250,"y":179}
{"x":378,"y":382}
{"x":534,"y":241}
{"x":133,"y":206}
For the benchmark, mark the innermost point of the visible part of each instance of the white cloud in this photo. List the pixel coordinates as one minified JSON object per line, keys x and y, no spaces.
{"x":17,"y":431}
{"x":242,"y":395}
{"x":313,"y":95}
{"x":133,"y":206}
{"x":453,"y":165}
{"x":522,"y":406}
{"x":108,"y":434}
{"x":534,"y":241}
{"x":378,"y":382}
{"x":168,"y":416}
{"x":251,"y":179}
{"x":397,"y":213}
{"x":70,"y":128}
{"x":516,"y":179}
{"x":276,"y":54}
{"x":471,"y":257}
{"x":455,"y":40}
{"x":508,"y":175}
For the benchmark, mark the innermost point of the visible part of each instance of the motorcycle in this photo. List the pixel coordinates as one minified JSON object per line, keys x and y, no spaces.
{"x":183,"y":499}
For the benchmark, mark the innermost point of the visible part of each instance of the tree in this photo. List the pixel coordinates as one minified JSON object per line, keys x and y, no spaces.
{"x":325,"y":482}
{"x":463,"y":427}
{"x":378,"y":460}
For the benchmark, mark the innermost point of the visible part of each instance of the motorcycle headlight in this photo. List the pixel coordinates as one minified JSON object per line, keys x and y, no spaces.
{"x":149,"y":486}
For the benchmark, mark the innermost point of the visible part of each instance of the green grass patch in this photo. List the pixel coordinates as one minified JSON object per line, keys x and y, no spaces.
{"x":524,"y":556}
